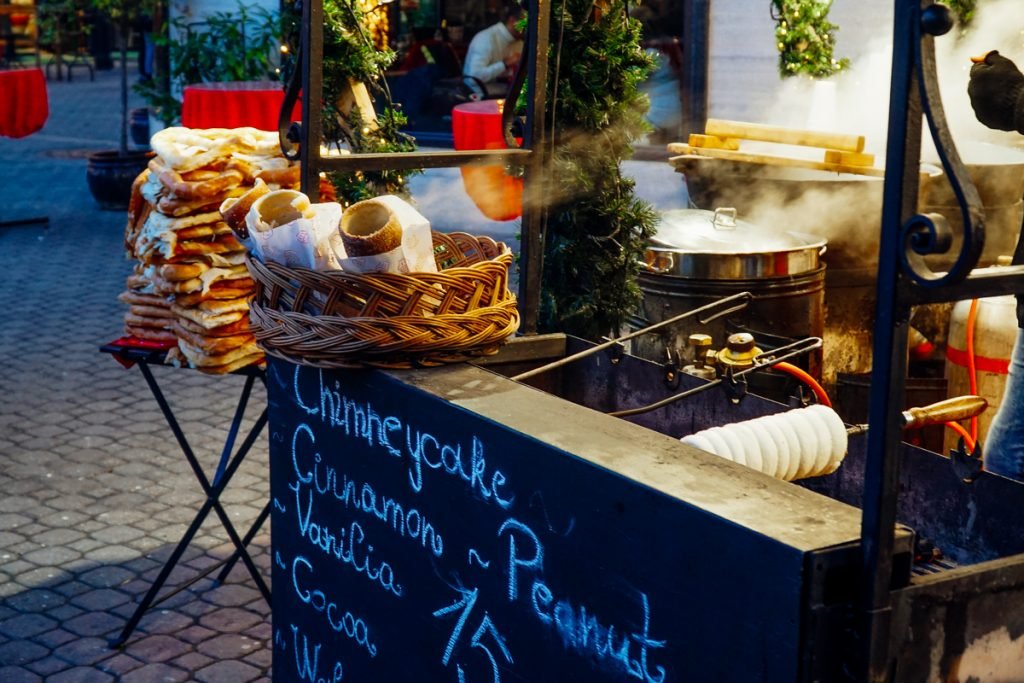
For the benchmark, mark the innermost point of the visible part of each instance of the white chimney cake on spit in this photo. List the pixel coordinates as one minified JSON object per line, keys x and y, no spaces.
{"x":800,"y":443}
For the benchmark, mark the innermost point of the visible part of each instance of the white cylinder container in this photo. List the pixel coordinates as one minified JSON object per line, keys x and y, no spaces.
{"x":995,"y":331}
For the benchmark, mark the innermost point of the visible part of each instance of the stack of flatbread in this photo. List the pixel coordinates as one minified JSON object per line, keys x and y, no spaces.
{"x":191,"y":284}
{"x":149,"y":314}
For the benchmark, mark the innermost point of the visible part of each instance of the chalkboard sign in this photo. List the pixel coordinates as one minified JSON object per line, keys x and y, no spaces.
{"x":418,"y":536}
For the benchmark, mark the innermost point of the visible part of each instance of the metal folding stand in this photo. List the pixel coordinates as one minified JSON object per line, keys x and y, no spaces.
{"x":228,"y":464}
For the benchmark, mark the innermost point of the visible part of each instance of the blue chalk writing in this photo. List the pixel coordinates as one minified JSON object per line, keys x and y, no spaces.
{"x":357,"y":419}
{"x":347,"y":547}
{"x":580,"y":629}
{"x":464,"y":606}
{"x":310,"y":469}
{"x":361,"y":420}
{"x":347,"y":624}
{"x":474,"y":555}
{"x":278,"y":506}
{"x":309,"y":668}
{"x":425,"y":449}
{"x":514,"y":558}
{"x":465,"y":603}
{"x":487,"y":628}
{"x":306,"y":668}
{"x":279,"y":640}
{"x":280,"y":562}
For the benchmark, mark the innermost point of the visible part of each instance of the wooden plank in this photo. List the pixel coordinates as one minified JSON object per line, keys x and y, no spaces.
{"x":713,"y":142}
{"x":835,"y":156}
{"x":774,"y":160}
{"x":787,"y":136}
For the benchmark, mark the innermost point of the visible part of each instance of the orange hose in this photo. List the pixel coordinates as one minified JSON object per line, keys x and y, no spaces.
{"x":968,"y":441}
{"x":972,"y":373}
{"x":811,"y":383}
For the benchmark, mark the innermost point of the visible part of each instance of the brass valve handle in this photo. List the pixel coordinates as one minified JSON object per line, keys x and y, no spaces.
{"x":950,"y":410}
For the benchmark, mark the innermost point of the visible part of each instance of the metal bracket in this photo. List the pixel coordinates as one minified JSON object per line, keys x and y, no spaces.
{"x":968,"y":466}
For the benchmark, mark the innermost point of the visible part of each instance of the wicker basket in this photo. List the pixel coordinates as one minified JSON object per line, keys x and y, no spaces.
{"x":388,"y":320}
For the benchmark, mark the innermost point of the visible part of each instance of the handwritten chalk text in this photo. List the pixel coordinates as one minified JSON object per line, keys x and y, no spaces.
{"x":341,"y":621}
{"x":580,"y":629}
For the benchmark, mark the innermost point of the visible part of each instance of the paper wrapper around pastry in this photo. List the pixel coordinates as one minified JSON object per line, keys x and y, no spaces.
{"x":386,"y":234}
{"x":285,"y":228}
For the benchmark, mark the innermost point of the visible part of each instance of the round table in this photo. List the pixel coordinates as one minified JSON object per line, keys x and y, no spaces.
{"x":24,"y":106}
{"x":235,"y":104}
{"x":477,"y":125}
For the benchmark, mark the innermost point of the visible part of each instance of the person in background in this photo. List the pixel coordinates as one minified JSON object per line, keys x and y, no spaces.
{"x":996,"y":90}
{"x":493,"y":53}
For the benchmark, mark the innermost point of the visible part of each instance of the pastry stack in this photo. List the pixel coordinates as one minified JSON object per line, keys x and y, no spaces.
{"x":149,"y":316}
{"x":191,"y":284}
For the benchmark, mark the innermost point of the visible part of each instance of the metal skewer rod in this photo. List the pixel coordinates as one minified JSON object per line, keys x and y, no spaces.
{"x":741,"y":300}
{"x":761,"y":361}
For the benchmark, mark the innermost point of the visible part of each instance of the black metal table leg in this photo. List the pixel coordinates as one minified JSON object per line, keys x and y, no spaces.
{"x":226,"y":468}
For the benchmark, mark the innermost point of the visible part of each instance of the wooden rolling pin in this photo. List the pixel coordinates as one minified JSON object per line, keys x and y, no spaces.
{"x":787,"y":136}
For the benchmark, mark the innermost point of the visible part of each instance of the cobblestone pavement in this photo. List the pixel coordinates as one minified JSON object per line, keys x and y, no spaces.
{"x":94,"y":491}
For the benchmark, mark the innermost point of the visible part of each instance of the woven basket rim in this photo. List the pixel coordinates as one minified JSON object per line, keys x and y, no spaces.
{"x":417,"y":319}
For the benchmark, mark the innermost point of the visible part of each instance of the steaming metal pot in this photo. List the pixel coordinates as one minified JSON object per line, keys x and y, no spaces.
{"x":715,"y":245}
{"x":697,"y":257}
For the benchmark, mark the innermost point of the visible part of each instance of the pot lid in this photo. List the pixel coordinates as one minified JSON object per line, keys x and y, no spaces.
{"x":720,"y":232}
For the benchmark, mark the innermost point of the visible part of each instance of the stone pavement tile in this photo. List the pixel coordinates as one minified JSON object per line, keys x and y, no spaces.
{"x":36,"y":600}
{"x":261,"y":658}
{"x":158,"y":673}
{"x":106,"y":576}
{"x":26,"y":625}
{"x":72,"y":588}
{"x":158,"y":648}
{"x":81,"y":674}
{"x":230,"y":619}
{"x":13,"y":521}
{"x":94,"y":624}
{"x":100,"y":599}
{"x":235,"y":671}
{"x":16,"y":674}
{"x":47,"y":666}
{"x":56,"y":556}
{"x":106,"y":553}
{"x":119,"y":664}
{"x":230,"y":595}
{"x":262,"y":631}
{"x":85,"y":545}
{"x":163,"y":621}
{"x":229,"y":646}
{"x":195,"y":634}
{"x":59,"y":536}
{"x":192,"y":661}
{"x":55,"y":638}
{"x":20,"y":652}
{"x":84,"y":651}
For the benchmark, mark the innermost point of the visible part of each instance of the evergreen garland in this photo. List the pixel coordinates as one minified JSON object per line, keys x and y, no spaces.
{"x":804,"y":38}
{"x":964,"y":11}
{"x":597,"y":228}
{"x":349,"y":53}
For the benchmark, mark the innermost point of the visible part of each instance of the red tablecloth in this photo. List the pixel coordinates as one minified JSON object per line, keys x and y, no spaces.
{"x":477,"y":125}
{"x":24,"y":107}
{"x":234,"y":105}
